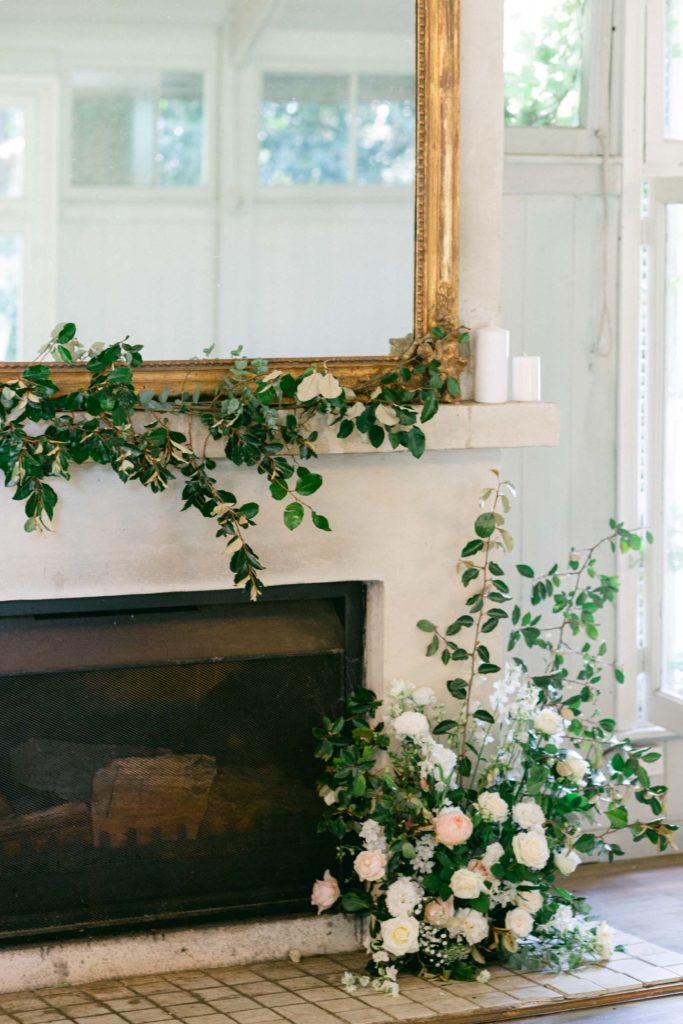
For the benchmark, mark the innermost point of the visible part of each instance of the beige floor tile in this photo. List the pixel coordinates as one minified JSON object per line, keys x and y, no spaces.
{"x":509,"y":983}
{"x":280,"y":999}
{"x":571,"y":985}
{"x":129,"y":1003}
{"x":381,"y":1001}
{"x":211,"y":1018}
{"x":667,"y":958}
{"x":212,"y":995}
{"x":342,"y":1002}
{"x":351,"y":961}
{"x":649,"y":974}
{"x":446,"y":1004}
{"x":232,"y":975}
{"x":255,"y":1016}
{"x":367,"y":1016}
{"x":202,"y":984}
{"x":229,"y":1005}
{"x":277,"y":970}
{"x":309,"y":1013}
{"x":46,"y":1015}
{"x":147,"y":1016}
{"x":148,"y":988}
{"x":297,"y":984}
{"x":13,"y":1003}
{"x":318,"y":965}
{"x":258,"y":988}
{"x":467,"y":989}
{"x":607,"y":979}
{"x":108,"y":1018}
{"x":495,"y":1000}
{"x":413,"y":1012}
{"x":174,"y":998}
{"x":112,"y":991}
{"x":67,"y":997}
{"x":536,"y":994}
{"x":320,"y":994}
{"x":87,"y":1010}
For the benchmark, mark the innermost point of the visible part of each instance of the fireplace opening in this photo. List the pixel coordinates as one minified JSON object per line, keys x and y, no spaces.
{"x":156,"y":756}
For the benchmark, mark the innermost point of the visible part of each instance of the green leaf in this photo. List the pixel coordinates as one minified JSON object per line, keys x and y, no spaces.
{"x":472,"y":548}
{"x":526,"y":570}
{"x":355,"y":902}
{"x":446,"y":726}
{"x":484,"y":716}
{"x":308,"y":483}
{"x":321,"y":522}
{"x":485,"y":524}
{"x":453,"y":387}
{"x":293,"y":515}
{"x":278,"y":490}
{"x":433,"y":647}
{"x":426,"y":626}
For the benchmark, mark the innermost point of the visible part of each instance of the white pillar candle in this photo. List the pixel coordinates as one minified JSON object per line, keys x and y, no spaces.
{"x":491,"y":365}
{"x":526,"y":379}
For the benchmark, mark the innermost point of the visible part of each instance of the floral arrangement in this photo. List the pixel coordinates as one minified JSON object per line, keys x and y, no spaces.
{"x":263,"y":418}
{"x":453,"y":825}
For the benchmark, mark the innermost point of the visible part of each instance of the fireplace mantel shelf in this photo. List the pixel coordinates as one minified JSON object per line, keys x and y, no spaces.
{"x":465,"y":426}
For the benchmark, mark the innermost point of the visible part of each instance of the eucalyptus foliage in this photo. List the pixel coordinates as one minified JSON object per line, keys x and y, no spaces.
{"x":453,"y":823}
{"x":261,"y":418}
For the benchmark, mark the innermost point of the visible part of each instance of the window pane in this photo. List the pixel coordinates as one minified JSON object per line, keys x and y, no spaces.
{"x":12,"y":143}
{"x":10,"y":295}
{"x":137,"y":129}
{"x":544,"y":49}
{"x":674,"y":70}
{"x":385,"y":130}
{"x":304,"y":130}
{"x":672,"y":598}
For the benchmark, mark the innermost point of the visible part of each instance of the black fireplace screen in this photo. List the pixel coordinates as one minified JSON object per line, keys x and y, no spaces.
{"x":137,"y":788}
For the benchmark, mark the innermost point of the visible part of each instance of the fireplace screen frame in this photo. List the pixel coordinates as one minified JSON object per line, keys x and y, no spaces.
{"x":349,"y":601}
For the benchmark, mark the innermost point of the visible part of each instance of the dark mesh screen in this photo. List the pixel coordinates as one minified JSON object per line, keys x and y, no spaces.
{"x":145,"y":794}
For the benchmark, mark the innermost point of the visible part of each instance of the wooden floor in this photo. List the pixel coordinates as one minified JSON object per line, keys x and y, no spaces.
{"x":645,"y":898}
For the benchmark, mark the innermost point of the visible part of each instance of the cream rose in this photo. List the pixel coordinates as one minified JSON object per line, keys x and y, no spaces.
{"x":439,"y":912}
{"x":399,"y":935}
{"x":604,"y":940}
{"x":573,"y":766}
{"x":530,"y":899}
{"x":325,"y":892}
{"x":528,"y":814}
{"x":492,"y":854}
{"x":453,"y":827}
{"x":566,"y":861}
{"x":519,"y":922}
{"x":492,"y":807}
{"x":531,"y":849}
{"x":471,"y":924}
{"x":370,"y":865}
{"x":466,"y":884}
{"x":549,"y":722}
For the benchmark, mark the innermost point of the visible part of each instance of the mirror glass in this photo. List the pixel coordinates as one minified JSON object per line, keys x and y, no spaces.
{"x":207,"y":174}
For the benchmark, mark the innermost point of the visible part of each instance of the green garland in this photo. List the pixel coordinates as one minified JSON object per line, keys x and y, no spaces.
{"x":262,"y":418}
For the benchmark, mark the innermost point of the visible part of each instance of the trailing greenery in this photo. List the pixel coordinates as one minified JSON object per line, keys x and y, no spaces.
{"x":261,"y":418}
{"x":453,"y":823}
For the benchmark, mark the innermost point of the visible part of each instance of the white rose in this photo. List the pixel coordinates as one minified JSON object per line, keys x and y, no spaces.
{"x":573,"y":766}
{"x":492,"y":807}
{"x":519,"y":922}
{"x":403,"y":896}
{"x":400,"y":935}
{"x":471,"y":924}
{"x":530,"y":899}
{"x":531,"y":849}
{"x":424,"y":696}
{"x":400,"y":688}
{"x":466,"y":884}
{"x":411,"y":725}
{"x":528,"y":814}
{"x":566,"y":861}
{"x":442,"y":758}
{"x":355,"y":410}
{"x":329,"y":795}
{"x":604,"y":940}
{"x":548,"y":722}
{"x":492,"y":854}
{"x":563,"y":919}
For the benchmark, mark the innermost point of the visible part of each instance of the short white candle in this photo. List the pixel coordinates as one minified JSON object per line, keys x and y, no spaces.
{"x":526,"y":379}
{"x":492,"y":345}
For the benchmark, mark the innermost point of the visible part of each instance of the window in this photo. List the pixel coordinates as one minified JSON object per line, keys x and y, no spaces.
{"x":673,"y":82}
{"x":334,"y":129}
{"x":12,"y":141}
{"x":544,"y":57}
{"x":10,"y":295}
{"x":139,"y":129}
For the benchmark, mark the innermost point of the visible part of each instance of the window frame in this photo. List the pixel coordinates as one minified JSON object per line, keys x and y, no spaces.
{"x":598,"y":68}
{"x":659,"y":151}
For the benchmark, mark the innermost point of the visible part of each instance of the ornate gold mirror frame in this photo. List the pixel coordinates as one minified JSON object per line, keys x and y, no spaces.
{"x":436,"y":224}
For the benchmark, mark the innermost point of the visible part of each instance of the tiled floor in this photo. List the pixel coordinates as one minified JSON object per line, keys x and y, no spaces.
{"x":310,"y":993}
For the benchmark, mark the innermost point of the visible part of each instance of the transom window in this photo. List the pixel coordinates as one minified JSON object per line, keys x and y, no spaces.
{"x":337,"y":129}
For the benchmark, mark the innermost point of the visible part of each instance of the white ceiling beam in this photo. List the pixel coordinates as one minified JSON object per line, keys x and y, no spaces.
{"x":248,"y":20}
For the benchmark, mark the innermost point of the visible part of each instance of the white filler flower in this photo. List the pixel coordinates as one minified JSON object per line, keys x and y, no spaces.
{"x":471,"y":924}
{"x":403,"y":896}
{"x":411,"y":725}
{"x":549,"y":722}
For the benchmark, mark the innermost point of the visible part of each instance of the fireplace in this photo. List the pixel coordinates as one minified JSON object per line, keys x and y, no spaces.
{"x":156,"y":756}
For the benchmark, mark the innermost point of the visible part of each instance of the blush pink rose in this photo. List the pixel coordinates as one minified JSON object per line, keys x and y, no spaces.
{"x":480,"y":868}
{"x":453,"y":827}
{"x":325,"y":892}
{"x":370,"y":865}
{"x":439,"y":912}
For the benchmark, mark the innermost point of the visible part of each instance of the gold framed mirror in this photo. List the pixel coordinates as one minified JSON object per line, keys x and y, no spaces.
{"x":436,"y":190}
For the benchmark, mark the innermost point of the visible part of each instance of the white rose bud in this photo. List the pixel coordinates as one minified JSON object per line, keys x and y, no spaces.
{"x":530,"y":899}
{"x":492,"y":854}
{"x":519,"y":922}
{"x":549,"y":722}
{"x":492,"y":807}
{"x":567,"y":861}
{"x":604,"y":940}
{"x":466,"y":884}
{"x":573,"y":766}
{"x":528,"y":814}
{"x":531,"y":849}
